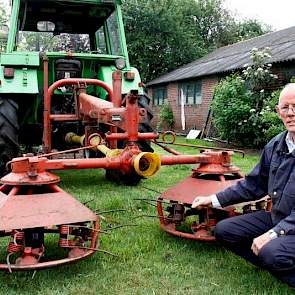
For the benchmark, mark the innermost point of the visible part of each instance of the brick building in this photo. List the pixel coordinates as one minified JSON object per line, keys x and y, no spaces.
{"x":195,"y":82}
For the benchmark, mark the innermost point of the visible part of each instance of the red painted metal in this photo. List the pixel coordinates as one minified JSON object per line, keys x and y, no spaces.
{"x":42,"y":210}
{"x":186,"y":190}
{"x":94,"y":107}
{"x":47,"y":264}
{"x":65,"y":118}
{"x":34,"y":170}
{"x":48,"y":209}
{"x":47,"y":116}
{"x":169,"y":137}
{"x":208,"y":178}
{"x":132,"y":117}
{"x":117,"y":86}
{"x":125,"y":136}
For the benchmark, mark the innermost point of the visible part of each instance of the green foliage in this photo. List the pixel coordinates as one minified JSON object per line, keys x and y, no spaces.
{"x":160,"y":36}
{"x":272,"y":124}
{"x":231,"y":108}
{"x":166,"y":117}
{"x":165,"y":34}
{"x":259,"y":73}
{"x":244,"y":112}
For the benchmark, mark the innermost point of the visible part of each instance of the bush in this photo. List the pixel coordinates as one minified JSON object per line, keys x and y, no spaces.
{"x":271,"y":123}
{"x":232,"y":107}
{"x":243,"y":111}
{"x":166,"y":117}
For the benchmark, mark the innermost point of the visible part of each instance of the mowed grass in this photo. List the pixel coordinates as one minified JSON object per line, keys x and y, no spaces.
{"x":148,"y":260}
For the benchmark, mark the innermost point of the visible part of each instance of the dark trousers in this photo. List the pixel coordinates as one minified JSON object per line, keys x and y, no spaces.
{"x":277,"y":256}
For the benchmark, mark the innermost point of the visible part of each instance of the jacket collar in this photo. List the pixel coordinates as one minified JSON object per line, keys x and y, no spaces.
{"x":282,"y":146}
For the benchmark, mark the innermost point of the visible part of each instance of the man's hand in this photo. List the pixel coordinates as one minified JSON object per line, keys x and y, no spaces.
{"x":201,"y":202}
{"x":259,"y":242}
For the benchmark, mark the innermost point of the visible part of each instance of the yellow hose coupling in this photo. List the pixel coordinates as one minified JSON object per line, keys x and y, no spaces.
{"x":146,"y":164}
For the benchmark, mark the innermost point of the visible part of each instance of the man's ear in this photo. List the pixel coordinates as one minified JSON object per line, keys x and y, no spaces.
{"x":278,"y":111}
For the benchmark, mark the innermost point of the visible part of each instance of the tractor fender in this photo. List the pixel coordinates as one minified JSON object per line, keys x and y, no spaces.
{"x":18,"y":73}
{"x":105,"y":74}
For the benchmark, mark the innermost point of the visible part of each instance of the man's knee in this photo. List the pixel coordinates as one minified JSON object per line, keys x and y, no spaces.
{"x":274,"y":259}
{"x":222,"y":230}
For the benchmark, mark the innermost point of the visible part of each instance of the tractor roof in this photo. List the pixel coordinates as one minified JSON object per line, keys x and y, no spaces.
{"x":69,"y":16}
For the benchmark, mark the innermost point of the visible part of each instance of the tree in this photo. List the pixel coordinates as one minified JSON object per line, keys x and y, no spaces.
{"x":251,"y":28}
{"x":160,"y":36}
{"x":165,"y":34}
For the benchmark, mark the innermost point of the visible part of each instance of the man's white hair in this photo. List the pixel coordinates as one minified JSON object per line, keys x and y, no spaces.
{"x":286,"y":89}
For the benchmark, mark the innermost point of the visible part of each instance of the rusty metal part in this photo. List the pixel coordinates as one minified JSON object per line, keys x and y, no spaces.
{"x":167,"y":149}
{"x":64,"y":152}
{"x":34,"y":170}
{"x":172,"y":142}
{"x":30,"y":259}
{"x":164,"y":137}
{"x":117,"y":86}
{"x":41,"y":210}
{"x":207,"y":157}
{"x":39,"y":213}
{"x":72,"y":137}
{"x":214,"y":173}
{"x":93,"y":109}
{"x":48,"y":117}
{"x":186,"y":190}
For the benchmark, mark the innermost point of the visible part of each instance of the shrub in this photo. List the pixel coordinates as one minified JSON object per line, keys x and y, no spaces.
{"x":243,"y":111}
{"x":271,"y":123}
{"x":232,"y":107}
{"x":166,"y":117}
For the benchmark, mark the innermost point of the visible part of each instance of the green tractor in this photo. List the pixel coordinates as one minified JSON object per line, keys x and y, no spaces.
{"x":69,"y":39}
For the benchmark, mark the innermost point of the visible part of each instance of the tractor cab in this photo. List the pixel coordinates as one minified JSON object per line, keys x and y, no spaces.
{"x":77,"y":26}
{"x":50,"y":40}
{"x":80,"y":38}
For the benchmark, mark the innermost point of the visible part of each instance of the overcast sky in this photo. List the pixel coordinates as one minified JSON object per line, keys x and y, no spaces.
{"x":280,"y":14}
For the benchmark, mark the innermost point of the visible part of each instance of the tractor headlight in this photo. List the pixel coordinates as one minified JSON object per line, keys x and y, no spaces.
{"x":120,"y":63}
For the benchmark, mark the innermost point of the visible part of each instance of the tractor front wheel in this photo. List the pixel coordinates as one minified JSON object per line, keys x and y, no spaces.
{"x":9,"y":129}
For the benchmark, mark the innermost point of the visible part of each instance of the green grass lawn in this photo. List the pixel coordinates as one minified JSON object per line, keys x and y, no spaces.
{"x":149,"y":261}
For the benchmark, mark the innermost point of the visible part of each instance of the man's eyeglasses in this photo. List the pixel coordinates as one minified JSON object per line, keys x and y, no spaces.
{"x":285,"y":109}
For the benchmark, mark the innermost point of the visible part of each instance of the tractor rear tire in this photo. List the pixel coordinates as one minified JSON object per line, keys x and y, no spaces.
{"x":9,"y":130}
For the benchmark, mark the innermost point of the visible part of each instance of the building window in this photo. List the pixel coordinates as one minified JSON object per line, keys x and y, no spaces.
{"x":192,"y":92}
{"x":159,"y":95}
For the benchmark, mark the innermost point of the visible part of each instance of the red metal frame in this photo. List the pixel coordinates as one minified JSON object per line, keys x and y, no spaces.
{"x":27,"y":207}
{"x":213,"y":174}
{"x":48,"y":117}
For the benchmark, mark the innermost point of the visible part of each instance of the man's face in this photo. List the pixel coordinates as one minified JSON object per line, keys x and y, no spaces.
{"x":286,"y":110}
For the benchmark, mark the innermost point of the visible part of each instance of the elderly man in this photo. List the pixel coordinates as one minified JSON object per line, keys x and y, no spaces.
{"x":266,"y":239}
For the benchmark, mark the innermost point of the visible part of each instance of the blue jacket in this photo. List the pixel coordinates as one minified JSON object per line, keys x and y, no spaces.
{"x":274,"y":175}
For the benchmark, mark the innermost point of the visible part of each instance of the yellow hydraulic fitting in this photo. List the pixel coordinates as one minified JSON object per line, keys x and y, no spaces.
{"x":147,"y":164}
{"x":108,"y":152}
{"x":72,"y":137}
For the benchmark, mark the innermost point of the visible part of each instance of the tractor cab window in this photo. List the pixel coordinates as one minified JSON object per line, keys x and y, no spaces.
{"x":108,"y":37}
{"x":113,"y":33}
{"x":69,"y":27}
{"x":46,"y":41}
